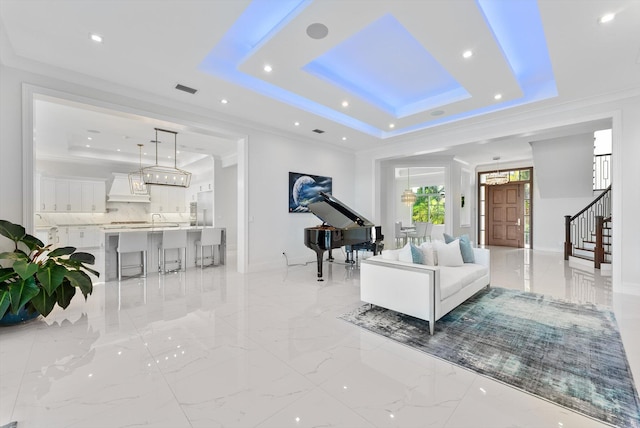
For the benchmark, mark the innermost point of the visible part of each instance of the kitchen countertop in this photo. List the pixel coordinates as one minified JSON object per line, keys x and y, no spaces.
{"x":141,"y":228}
{"x":117,"y":228}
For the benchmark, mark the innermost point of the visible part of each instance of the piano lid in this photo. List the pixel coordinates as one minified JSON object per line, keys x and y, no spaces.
{"x":336,"y":214}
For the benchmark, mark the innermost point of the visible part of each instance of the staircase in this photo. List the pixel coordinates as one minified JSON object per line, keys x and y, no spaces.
{"x":588,"y":234}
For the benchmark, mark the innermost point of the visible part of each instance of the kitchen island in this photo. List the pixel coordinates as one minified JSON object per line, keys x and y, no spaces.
{"x":154,"y":239}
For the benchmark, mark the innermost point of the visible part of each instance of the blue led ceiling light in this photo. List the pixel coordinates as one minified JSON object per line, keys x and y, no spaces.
{"x":516,"y":26}
{"x":407,"y":80}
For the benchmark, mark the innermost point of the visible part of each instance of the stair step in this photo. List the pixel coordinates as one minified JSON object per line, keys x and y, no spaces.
{"x":583,"y":257}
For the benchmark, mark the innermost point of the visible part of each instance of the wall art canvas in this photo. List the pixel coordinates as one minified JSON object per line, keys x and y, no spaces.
{"x":305,"y":189}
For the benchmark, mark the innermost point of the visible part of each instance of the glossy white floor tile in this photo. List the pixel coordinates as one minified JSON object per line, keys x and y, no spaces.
{"x":214,"y":348}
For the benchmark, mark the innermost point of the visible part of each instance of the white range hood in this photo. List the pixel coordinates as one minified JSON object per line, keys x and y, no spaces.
{"x":121,"y":192}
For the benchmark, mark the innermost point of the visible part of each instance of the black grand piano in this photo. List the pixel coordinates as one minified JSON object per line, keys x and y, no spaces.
{"x":341,"y":227}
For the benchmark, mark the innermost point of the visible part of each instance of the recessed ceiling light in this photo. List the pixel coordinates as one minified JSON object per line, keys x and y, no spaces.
{"x":607,"y":18}
{"x":296,"y":123}
{"x":224,"y":101}
{"x":95,"y":37}
{"x":467,"y":54}
{"x":268,"y":68}
{"x":392,"y":125}
{"x":497,"y":97}
{"x":117,"y":150}
{"x":344,"y":138}
{"x":89,"y":138}
{"x":88,"y":145}
{"x":345,"y":103}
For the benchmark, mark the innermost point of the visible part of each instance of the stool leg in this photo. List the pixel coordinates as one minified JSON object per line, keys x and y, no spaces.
{"x":144,"y":264}
{"x":119,"y":267}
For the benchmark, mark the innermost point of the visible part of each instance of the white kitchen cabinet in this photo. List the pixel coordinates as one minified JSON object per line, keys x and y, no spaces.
{"x":66,"y":195}
{"x":93,"y":196}
{"x":168,"y":199}
{"x":47,"y":194}
{"x":83,"y":236}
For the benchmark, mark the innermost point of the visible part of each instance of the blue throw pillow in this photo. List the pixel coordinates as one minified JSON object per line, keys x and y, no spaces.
{"x":465,"y":247}
{"x":416,"y":254}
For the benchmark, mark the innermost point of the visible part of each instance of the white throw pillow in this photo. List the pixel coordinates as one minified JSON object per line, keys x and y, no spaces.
{"x":390,"y":254}
{"x":428,"y":254}
{"x":410,"y":254}
{"x":449,"y":254}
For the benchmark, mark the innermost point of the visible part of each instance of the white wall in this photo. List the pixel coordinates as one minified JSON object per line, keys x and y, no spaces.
{"x":564,"y":166}
{"x":273,"y":230}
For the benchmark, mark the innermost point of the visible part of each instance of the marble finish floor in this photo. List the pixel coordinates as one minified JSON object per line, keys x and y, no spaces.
{"x":214,"y":348}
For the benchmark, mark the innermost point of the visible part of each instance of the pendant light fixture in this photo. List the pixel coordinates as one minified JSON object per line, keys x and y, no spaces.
{"x":408,"y":197}
{"x":497,"y":177}
{"x":136,"y":182}
{"x":166,"y":175}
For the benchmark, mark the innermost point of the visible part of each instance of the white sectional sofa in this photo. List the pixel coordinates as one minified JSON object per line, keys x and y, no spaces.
{"x":422,"y":291}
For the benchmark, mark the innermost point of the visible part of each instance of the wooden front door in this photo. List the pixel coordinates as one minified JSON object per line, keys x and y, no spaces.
{"x":505,"y":215}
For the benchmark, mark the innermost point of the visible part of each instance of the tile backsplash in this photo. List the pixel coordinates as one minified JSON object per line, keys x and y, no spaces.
{"x":116,"y":212}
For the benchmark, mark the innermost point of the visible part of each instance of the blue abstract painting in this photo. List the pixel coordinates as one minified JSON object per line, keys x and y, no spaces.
{"x":305,"y":189}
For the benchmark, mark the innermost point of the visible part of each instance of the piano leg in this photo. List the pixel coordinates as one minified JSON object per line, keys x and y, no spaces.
{"x":319,"y":255}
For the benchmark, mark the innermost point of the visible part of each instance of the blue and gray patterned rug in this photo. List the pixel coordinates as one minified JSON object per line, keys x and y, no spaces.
{"x":566,"y":353}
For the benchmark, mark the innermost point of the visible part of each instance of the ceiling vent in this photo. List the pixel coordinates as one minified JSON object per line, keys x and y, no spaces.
{"x":318,"y":131}
{"x":186,"y":89}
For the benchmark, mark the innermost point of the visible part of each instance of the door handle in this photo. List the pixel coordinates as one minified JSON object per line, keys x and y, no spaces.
{"x":518,"y":222}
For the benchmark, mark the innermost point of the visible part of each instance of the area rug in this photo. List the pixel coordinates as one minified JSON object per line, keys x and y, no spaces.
{"x":569,"y":354}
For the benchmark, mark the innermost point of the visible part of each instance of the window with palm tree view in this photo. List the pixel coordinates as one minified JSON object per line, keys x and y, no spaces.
{"x":429,"y":205}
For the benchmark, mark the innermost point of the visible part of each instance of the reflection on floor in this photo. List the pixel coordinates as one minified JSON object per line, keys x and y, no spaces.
{"x":213,"y":348}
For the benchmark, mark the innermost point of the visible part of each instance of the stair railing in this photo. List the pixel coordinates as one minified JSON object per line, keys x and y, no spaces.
{"x":583,"y":226}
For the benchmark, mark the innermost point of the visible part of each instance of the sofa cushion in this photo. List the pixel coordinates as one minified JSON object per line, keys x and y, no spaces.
{"x":410,"y":254}
{"x":465,"y":247}
{"x":449,"y":254}
{"x":454,"y":279}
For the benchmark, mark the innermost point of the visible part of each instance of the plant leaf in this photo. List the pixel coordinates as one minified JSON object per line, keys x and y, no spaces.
{"x":65,"y":293}
{"x":5,"y":302}
{"x":81,"y":280}
{"x":32,"y":242}
{"x":95,"y":272}
{"x":84,"y":258}
{"x":15,"y":232}
{"x":43,"y":302}
{"x":14,"y":255}
{"x":21,"y":292}
{"x":25,"y":269}
{"x":62,"y":251}
{"x":6,"y":273}
{"x":50,"y":276}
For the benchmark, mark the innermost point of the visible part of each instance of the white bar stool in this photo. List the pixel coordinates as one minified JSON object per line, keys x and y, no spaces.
{"x":210,"y":237}
{"x":132,"y":242}
{"x":173,"y":239}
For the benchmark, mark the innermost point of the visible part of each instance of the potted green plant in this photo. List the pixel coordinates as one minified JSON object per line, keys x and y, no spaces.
{"x":34,"y":277}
